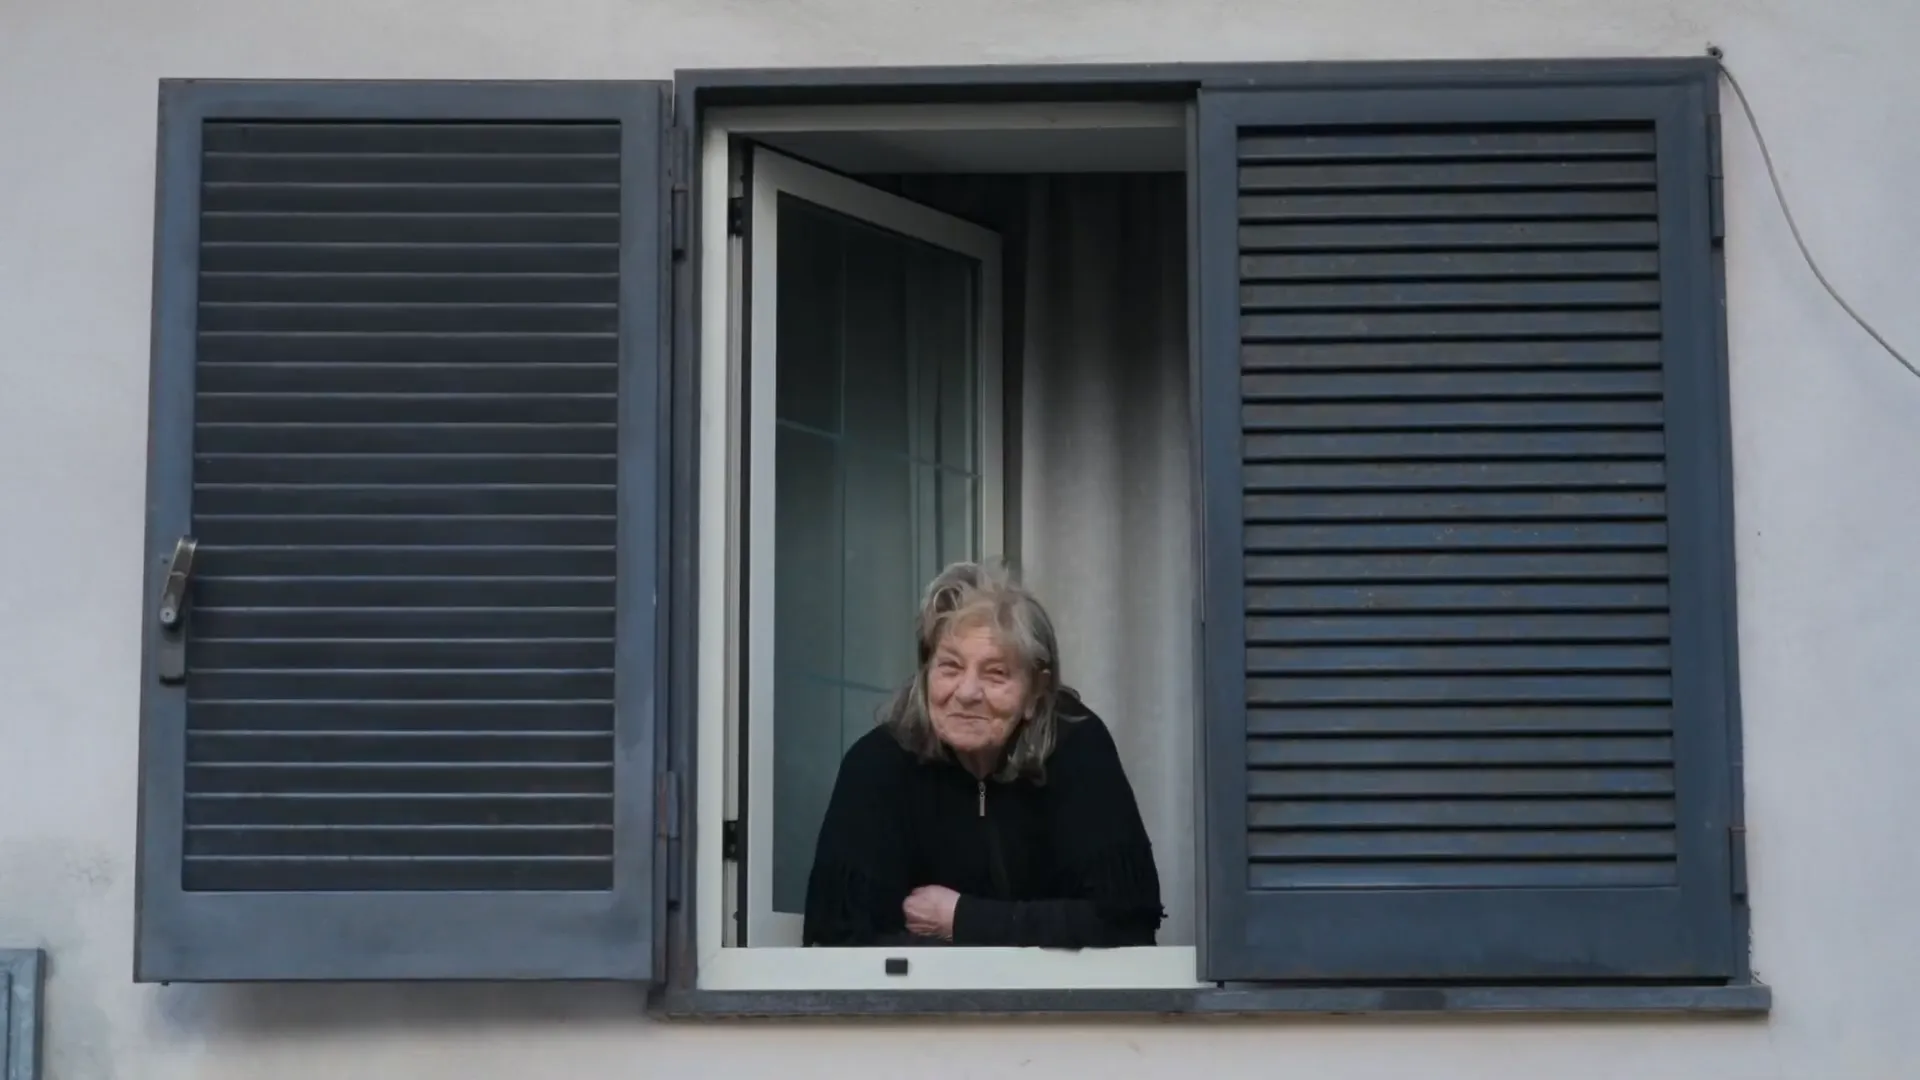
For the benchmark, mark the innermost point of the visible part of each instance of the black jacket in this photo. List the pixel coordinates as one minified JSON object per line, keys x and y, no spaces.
{"x":1062,"y":864}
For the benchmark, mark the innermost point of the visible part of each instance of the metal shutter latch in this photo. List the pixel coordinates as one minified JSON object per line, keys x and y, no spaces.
{"x":170,"y":661}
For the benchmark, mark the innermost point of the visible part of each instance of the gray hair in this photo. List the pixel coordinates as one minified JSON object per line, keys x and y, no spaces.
{"x":972,"y":594}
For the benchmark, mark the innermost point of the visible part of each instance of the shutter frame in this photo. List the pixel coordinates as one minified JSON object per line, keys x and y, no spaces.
{"x":1303,"y":934}
{"x":347,"y":935}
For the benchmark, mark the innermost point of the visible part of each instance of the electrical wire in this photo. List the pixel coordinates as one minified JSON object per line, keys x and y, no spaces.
{"x":1780,"y":196}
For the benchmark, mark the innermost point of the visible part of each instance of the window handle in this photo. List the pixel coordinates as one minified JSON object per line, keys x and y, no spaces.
{"x":171,"y":660}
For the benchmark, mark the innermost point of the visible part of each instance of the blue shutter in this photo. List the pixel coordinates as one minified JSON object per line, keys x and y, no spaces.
{"x":408,"y":353}
{"x":1468,"y":571}
{"x":21,"y":974}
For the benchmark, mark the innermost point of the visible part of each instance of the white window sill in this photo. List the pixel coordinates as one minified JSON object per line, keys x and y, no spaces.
{"x":1167,"y":967}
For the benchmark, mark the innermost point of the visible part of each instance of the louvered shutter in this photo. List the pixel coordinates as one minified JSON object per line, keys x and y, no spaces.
{"x":406,"y":386}
{"x":1468,"y":552}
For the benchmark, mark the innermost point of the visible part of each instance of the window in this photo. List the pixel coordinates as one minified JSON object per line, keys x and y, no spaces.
{"x":876,"y":332}
{"x":488,"y":604}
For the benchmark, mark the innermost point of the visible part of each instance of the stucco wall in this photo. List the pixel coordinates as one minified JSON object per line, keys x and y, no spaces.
{"x":1827,"y":435}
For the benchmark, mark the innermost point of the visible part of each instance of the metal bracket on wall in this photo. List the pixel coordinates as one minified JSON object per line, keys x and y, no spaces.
{"x":21,"y":974}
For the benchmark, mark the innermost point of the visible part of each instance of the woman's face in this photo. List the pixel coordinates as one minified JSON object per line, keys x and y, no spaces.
{"x":977,"y":690}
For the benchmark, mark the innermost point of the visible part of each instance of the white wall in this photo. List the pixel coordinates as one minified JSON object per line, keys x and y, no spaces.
{"x":1827,"y":435}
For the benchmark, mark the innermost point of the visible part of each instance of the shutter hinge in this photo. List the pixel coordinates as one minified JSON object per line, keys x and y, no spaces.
{"x":677,"y":181}
{"x":677,"y":218}
{"x":666,"y":827}
{"x":1716,"y":184}
{"x":666,"y":806}
{"x":736,"y":216}
{"x":1737,"y":859}
{"x":730,"y":841}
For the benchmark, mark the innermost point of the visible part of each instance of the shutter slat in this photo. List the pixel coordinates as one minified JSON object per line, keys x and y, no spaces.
{"x":1441,"y":750}
{"x":1428,"y":177}
{"x":342,"y":809}
{"x":1462,"y":689}
{"x":348,"y":623}
{"x":1619,"y":813}
{"x":1456,"y":566}
{"x":1464,"y":846}
{"x":1486,"y":783}
{"x":377,"y":714}
{"x":1553,"y":596}
{"x":225,"y":654}
{"x":1454,"y":476}
{"x":1458,"y":536}
{"x":392,"y":746}
{"x":335,"y":256}
{"x":1432,"y":506}
{"x":1295,"y":659}
{"x":398,"y":408}
{"x":386,"y":197}
{"x":475,"y":317}
{"x":400,"y":684}
{"x":1424,"y":417}
{"x":1400,"y":146}
{"x":1582,"y":874}
{"x":505,"y":841}
{"x":309,"y":140}
{"x":1358,"y":625}
{"x":1448,"y":236}
{"x":427,"y":437}
{"x":484,"y":499}
{"x":1520,"y":322}
{"x":456,"y":470}
{"x":556,"y":560}
{"x":1474,"y":385}
{"x":1368,"y":296}
{"x":1442,"y":265}
{"x":1504,"y":206}
{"x":399,"y":873}
{"x":402,"y":378}
{"x":1476,"y":720}
{"x":401,"y":287}
{"x":410,"y":227}
{"x":407,"y":530}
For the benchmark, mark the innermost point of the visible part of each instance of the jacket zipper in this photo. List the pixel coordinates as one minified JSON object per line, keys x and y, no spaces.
{"x":983,"y":798}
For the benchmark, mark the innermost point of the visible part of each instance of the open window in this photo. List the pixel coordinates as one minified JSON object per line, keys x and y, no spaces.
{"x":951,"y":332}
{"x":873,"y":438}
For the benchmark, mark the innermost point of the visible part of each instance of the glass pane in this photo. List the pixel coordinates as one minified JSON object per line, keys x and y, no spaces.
{"x":806,"y":758}
{"x":811,"y":292}
{"x":807,"y":552}
{"x":862,"y":712}
{"x":874,"y":316}
{"x":875,"y":490}
{"x":880,"y":592}
{"x":944,"y":331}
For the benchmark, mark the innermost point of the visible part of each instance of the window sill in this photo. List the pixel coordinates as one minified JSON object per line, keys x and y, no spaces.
{"x":1745,"y":1000}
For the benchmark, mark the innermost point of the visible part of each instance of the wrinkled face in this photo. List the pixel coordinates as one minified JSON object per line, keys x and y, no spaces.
{"x":977,"y":690}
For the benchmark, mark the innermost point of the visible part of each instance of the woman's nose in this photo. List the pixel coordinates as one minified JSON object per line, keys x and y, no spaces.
{"x":969,"y":688}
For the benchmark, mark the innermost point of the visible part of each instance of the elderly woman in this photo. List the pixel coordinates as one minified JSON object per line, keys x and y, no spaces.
{"x":989,"y":807}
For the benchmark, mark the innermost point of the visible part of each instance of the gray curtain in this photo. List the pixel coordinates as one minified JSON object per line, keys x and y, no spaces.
{"x":1106,"y":490}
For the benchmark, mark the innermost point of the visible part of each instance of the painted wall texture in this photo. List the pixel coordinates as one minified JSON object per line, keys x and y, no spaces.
{"x":1827,"y":438}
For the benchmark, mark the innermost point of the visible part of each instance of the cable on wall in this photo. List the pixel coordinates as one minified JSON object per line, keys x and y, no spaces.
{"x":1786,"y":211}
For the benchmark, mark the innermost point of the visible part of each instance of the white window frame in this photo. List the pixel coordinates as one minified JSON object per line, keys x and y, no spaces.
{"x":724,"y":377}
{"x":774,"y":175}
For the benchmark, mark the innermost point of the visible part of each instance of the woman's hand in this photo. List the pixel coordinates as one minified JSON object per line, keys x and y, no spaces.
{"x":929,"y":910}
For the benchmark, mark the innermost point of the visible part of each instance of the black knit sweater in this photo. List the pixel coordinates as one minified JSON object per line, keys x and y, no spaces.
{"x":1062,"y":864}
